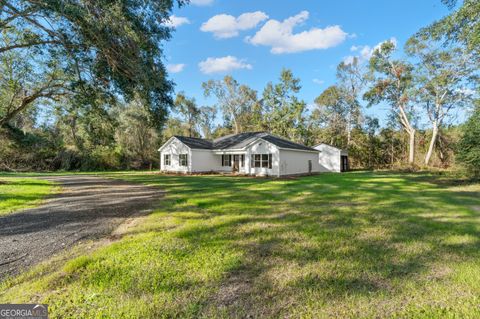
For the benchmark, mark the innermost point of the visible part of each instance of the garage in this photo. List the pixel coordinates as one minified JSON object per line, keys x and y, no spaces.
{"x":332,"y":159}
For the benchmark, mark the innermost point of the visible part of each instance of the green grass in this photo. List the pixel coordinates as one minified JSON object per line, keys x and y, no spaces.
{"x":21,"y":193}
{"x":356,"y":245}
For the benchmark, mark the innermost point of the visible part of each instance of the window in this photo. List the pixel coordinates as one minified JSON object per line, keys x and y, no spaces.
{"x":242,"y":160}
{"x":226,"y":160}
{"x":265,"y":160}
{"x":183,"y":159}
{"x":256,"y":160}
{"x":262,"y":160}
{"x":166,"y":159}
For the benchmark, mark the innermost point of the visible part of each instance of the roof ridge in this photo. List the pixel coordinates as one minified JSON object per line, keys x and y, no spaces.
{"x":234,"y":134}
{"x":197,"y":138}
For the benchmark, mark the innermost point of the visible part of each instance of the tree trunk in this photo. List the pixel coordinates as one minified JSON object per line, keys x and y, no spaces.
{"x":235,"y":123}
{"x":411,"y":146}
{"x":349,"y":134}
{"x":432,"y":143}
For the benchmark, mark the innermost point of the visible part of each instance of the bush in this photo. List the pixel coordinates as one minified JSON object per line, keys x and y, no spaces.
{"x":468,"y":151}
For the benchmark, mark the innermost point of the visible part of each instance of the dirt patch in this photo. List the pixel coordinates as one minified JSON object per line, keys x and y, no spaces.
{"x":89,"y":208}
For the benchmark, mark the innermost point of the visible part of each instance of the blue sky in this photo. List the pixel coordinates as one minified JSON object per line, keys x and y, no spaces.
{"x":254,"y":40}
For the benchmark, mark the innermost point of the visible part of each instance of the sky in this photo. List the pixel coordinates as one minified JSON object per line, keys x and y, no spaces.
{"x":254,"y":40}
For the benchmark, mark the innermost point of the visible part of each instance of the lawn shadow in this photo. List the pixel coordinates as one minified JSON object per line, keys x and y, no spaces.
{"x":393,"y":227}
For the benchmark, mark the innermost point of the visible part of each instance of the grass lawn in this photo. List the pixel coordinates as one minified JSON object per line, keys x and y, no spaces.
{"x":20,"y":193}
{"x":334,"y":245}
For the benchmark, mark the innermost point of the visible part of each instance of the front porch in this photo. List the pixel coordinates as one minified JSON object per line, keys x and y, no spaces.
{"x":233,"y":162}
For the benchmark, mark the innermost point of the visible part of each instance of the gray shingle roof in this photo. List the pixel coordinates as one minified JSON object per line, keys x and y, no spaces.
{"x":282,"y":143}
{"x":238,"y":141}
{"x":195,"y":143}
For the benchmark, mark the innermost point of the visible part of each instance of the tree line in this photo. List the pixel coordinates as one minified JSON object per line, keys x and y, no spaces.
{"x":83,"y":86}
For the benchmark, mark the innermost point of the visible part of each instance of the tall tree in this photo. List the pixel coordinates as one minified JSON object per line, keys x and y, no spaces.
{"x":23,"y":82}
{"x":190,"y":111}
{"x":135,"y":137}
{"x":234,"y":99}
{"x":350,"y":77}
{"x":206,"y":120}
{"x":444,"y":82}
{"x":283,"y":110}
{"x":392,"y":83}
{"x":331,"y":113}
{"x":102,"y":47}
{"x":461,"y":26}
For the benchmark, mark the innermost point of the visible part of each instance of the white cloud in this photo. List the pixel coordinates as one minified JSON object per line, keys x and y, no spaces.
{"x":365,"y":51}
{"x":319,"y":82}
{"x":201,"y":2}
{"x":223,"y":64}
{"x":226,"y":26}
{"x":280,"y":36}
{"x":174,"y":21}
{"x":175,"y":68}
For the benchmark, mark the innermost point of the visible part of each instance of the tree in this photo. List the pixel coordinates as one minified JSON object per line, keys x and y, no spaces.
{"x":135,"y":137}
{"x":331,"y":113}
{"x":468,"y":151}
{"x":23,"y":82}
{"x":443,"y":80}
{"x":206,"y":120}
{"x":173,"y":126}
{"x":190,"y":111}
{"x":234,"y":99}
{"x":392,"y":83}
{"x":461,"y":26}
{"x":351,"y":82}
{"x":102,"y":47}
{"x":283,"y":111}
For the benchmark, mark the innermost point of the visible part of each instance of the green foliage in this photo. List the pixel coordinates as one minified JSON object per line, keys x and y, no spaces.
{"x":190,"y":111}
{"x":283,"y":112}
{"x":461,"y":26}
{"x":136,"y":141}
{"x":236,"y":101}
{"x":100,"y":47}
{"x":468,"y":150}
{"x":331,"y":113}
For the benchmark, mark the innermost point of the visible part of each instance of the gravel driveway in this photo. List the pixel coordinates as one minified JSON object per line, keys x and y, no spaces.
{"x":88,"y":208}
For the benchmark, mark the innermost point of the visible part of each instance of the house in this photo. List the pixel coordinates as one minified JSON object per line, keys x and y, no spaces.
{"x":252,"y":153}
{"x":332,"y":159}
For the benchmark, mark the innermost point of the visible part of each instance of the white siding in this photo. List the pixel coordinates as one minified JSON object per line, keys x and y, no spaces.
{"x":262,"y":147}
{"x":174,"y":147}
{"x":205,"y":161}
{"x":329,"y":158}
{"x":296,"y":162}
{"x":284,"y":162}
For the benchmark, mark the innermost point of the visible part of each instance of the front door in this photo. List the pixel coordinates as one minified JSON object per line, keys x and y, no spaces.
{"x":236,"y":163}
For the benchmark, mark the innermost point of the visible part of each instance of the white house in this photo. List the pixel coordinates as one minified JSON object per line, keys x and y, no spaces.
{"x":331,"y":158}
{"x":252,"y":153}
